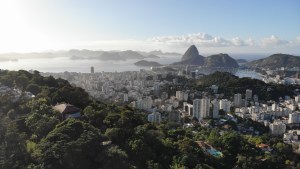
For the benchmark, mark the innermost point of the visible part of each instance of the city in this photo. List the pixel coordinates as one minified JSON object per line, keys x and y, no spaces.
{"x":94,"y":84}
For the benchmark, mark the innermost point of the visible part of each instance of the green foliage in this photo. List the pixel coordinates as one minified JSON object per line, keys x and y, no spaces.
{"x":33,"y":136}
{"x":72,"y":144}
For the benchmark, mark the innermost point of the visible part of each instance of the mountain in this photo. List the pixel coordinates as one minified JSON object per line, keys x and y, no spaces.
{"x":129,"y":54}
{"x":191,"y":57}
{"x":147,"y":63}
{"x":276,"y":61}
{"x":159,"y":52}
{"x":152,"y":56}
{"x":105,"y":55}
{"x":220,"y":60}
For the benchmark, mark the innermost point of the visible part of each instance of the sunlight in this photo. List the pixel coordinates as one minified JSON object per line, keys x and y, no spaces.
{"x":17,"y":34}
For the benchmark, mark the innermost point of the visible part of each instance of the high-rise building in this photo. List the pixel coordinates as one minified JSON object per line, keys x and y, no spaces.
{"x":156,"y":89}
{"x":215,"y":105}
{"x":92,"y":70}
{"x":196,"y":108}
{"x":125,"y":99}
{"x":237,"y":100}
{"x":204,"y":108}
{"x":248,"y":95}
{"x":154,"y":117}
{"x":188,"y":108}
{"x":277,"y":127}
{"x":225,"y":105}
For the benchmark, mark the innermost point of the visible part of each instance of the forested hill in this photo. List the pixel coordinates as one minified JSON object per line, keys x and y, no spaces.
{"x":230,"y":85}
{"x":276,"y":61}
{"x":34,"y":136}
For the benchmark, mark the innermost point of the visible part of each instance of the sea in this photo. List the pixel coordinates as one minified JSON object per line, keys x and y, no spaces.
{"x":62,"y":64}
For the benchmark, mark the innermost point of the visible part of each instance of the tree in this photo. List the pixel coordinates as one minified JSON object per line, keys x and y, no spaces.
{"x":73,"y":144}
{"x":33,"y":88}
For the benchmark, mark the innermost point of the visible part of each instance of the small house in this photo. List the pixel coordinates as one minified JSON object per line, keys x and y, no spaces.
{"x":67,"y":110}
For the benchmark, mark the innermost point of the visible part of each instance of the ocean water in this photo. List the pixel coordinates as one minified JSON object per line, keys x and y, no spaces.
{"x":62,"y":64}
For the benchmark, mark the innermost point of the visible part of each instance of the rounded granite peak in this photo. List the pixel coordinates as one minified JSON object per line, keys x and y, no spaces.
{"x":190,"y":53}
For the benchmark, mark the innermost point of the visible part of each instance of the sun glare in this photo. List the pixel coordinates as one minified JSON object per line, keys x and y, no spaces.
{"x":17,"y":34}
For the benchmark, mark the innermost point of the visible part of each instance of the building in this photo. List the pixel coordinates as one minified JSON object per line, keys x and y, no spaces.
{"x":92,"y":70}
{"x":154,"y":117}
{"x":156,"y":89}
{"x":125,"y":97}
{"x":297,"y":99}
{"x":274,"y":107}
{"x":225,"y":105}
{"x":188,"y":108}
{"x":277,"y":127}
{"x":294,"y":118}
{"x":215,"y":106}
{"x":179,"y":95}
{"x":237,"y":100}
{"x":204,"y":107}
{"x":67,"y":110}
{"x":196,"y":108}
{"x":248,"y":95}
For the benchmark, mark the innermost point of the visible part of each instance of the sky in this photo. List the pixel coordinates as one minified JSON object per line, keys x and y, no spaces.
{"x":214,"y":26}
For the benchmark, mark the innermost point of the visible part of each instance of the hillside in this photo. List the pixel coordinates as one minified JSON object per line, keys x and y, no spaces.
{"x":276,"y":61}
{"x":220,"y":60}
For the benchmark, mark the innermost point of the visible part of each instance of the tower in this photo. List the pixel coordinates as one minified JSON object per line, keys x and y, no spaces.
{"x":92,"y":69}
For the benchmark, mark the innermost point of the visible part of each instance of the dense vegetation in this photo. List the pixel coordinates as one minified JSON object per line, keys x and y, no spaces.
{"x":276,"y":61}
{"x":33,"y":136}
{"x":230,"y":84}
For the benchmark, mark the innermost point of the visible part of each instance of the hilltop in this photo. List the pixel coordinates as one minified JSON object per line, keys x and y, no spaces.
{"x":276,"y":61}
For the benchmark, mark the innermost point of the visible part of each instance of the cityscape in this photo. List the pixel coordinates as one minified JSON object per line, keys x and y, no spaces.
{"x":140,"y":85}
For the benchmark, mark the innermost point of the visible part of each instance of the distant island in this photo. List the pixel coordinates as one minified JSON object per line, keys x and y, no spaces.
{"x":146,"y":63}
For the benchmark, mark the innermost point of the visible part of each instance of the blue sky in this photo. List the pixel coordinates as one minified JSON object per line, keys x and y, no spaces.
{"x":256,"y":26}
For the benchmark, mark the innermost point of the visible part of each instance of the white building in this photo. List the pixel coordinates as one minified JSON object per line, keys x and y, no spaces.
{"x":125,"y":98}
{"x":188,"y":108}
{"x":274,"y":107}
{"x":277,"y":127}
{"x":294,"y":117}
{"x":225,"y":105}
{"x":204,"y":107}
{"x":154,"y":117}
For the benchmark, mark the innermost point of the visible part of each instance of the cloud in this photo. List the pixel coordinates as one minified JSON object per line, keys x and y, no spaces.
{"x":297,"y":39}
{"x":237,"y":41}
{"x":202,"y":40}
{"x":199,"y":39}
{"x":273,"y":41}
